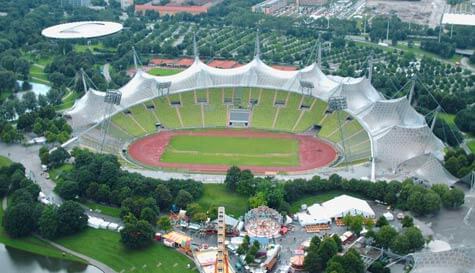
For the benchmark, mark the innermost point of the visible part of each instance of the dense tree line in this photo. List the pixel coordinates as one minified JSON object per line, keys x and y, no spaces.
{"x":98,"y":177}
{"x":323,"y":256}
{"x":444,"y":49}
{"x":458,"y":163}
{"x":465,"y":119}
{"x":406,"y":195}
{"x":25,"y":215}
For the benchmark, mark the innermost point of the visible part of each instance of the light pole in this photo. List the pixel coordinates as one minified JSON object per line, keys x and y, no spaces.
{"x":338,"y":104}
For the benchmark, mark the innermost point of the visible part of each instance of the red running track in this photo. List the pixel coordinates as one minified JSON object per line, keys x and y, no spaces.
{"x":314,"y":153}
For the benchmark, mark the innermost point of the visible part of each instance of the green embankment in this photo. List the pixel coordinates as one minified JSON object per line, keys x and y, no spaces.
{"x":105,"y":246}
{"x":232,"y":151}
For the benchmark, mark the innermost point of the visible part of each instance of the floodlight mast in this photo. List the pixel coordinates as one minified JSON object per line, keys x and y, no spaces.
{"x":163,"y":88}
{"x":306,"y":87}
{"x":338,"y":104}
{"x":112,"y":97}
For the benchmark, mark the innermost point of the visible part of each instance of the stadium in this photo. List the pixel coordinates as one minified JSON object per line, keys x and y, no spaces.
{"x":205,"y":119}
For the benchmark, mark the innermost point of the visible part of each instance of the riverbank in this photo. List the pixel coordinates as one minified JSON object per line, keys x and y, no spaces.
{"x":105,"y":246}
{"x":33,"y":245}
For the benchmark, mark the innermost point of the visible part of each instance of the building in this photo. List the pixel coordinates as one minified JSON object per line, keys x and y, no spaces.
{"x":171,"y":10}
{"x":124,"y":4}
{"x":269,"y":6}
{"x":76,"y":3}
{"x":310,"y":3}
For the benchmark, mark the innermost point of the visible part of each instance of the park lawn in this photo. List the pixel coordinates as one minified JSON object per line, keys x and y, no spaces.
{"x":67,"y":101}
{"x":232,"y":151}
{"x":317,"y":198}
{"x":160,"y":71}
{"x":105,"y":246}
{"x":215,"y":195}
{"x":33,"y":244}
{"x":100,"y":208}
{"x":4,"y":161}
{"x":471,"y":145}
{"x":449,"y":118}
{"x":55,"y":174}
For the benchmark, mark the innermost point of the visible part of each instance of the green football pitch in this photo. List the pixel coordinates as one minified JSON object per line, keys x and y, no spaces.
{"x":228,"y":150}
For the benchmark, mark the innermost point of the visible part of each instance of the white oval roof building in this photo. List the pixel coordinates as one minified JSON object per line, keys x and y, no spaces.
{"x":82,"y":30}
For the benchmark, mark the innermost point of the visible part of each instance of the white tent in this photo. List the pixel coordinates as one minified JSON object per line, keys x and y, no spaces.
{"x":342,"y":205}
{"x":315,"y":214}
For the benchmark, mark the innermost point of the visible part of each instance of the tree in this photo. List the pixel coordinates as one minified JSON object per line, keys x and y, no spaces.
{"x":453,"y":198}
{"x":68,"y":189}
{"x":378,"y":267}
{"x":385,"y":236}
{"x":382,"y":221}
{"x":48,"y":223}
{"x":18,"y":220}
{"x":407,"y":221}
{"x":71,"y":218}
{"x":163,"y":196}
{"x":29,"y":99}
{"x":313,"y":263}
{"x":258,"y":200}
{"x":149,"y":215}
{"x":183,"y":198}
{"x":354,"y":223}
{"x":232,"y":178}
{"x":328,"y":248}
{"x":164,"y":223}
{"x":58,"y":157}
{"x":137,"y":235}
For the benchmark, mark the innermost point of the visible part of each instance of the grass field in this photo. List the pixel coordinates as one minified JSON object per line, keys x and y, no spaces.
{"x":4,"y":161}
{"x":104,"y":246}
{"x":232,"y":151}
{"x":215,"y":195}
{"x":160,"y":71}
{"x":55,"y":174}
{"x":107,"y":210}
{"x":471,"y":145}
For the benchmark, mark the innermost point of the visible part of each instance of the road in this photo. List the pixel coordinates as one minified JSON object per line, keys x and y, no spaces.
{"x":465,"y":64}
{"x":28,"y":156}
{"x":106,"y":73}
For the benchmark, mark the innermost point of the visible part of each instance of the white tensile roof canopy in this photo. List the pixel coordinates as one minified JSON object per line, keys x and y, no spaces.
{"x":81,"y":30}
{"x":397,"y":132}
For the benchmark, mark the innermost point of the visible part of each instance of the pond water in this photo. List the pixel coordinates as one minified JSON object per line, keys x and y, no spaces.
{"x":17,"y":261}
{"x":37,"y":88}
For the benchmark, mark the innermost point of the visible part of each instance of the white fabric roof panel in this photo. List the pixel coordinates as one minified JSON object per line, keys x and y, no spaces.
{"x":81,"y":30}
{"x":397,"y":132}
{"x":398,"y":144}
{"x":388,"y":113}
{"x":429,"y":168}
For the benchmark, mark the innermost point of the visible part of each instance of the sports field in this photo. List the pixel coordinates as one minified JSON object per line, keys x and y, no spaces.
{"x":230,"y":150}
{"x":216,"y":150}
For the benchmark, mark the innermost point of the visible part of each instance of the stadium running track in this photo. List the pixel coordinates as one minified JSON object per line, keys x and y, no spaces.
{"x":314,"y":153}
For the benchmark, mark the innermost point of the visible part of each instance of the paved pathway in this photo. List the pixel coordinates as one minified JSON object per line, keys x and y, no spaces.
{"x":4,"y":203}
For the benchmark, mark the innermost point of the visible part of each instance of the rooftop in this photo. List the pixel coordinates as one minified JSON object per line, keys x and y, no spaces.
{"x":81,"y":30}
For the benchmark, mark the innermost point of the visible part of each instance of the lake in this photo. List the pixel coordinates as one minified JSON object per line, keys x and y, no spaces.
{"x":18,"y":261}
